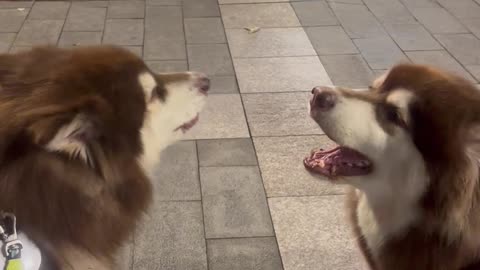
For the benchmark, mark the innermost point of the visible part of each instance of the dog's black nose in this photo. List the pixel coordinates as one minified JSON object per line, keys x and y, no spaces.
{"x":324,"y":98}
{"x":204,"y":84}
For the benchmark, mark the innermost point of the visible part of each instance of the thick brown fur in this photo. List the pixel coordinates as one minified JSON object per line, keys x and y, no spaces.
{"x":445,"y":115}
{"x":70,"y":210}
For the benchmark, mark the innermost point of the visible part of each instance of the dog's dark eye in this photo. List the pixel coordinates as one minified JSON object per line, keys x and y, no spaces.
{"x":391,"y":114}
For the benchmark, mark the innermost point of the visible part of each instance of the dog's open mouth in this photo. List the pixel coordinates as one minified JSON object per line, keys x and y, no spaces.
{"x":188,"y":125}
{"x":337,"y":162}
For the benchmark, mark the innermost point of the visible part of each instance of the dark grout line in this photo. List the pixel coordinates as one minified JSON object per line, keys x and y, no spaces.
{"x":380,"y":23}
{"x":284,"y":56}
{"x":176,"y":201}
{"x":466,"y":33}
{"x":201,"y":203}
{"x":196,"y":147}
{"x":63,"y":25}
{"x":249,"y":3}
{"x":308,"y":196}
{"x":255,"y":137}
{"x":104,"y":24}
{"x":343,"y":3}
{"x":185,"y":36}
{"x":453,"y":56}
{"x":230,"y":166}
{"x":21,"y":27}
{"x":253,"y":144}
{"x":289,"y":135}
{"x":241,"y":237}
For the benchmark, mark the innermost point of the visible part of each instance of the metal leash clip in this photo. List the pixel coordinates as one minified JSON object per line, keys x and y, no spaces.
{"x":8,"y":231}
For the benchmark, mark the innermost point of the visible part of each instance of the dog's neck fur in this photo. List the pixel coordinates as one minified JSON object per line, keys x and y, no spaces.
{"x":390,"y":212}
{"x":385,"y":213}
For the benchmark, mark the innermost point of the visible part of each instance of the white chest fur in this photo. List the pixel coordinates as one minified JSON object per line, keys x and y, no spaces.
{"x":369,"y":226}
{"x":378,"y":223}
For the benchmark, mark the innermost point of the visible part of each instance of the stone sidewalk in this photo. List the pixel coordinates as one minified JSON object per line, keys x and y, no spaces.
{"x":234,"y":195}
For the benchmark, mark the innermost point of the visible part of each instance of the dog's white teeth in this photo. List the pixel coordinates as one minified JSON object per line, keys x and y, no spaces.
{"x":364,"y":163}
{"x":350,"y":164}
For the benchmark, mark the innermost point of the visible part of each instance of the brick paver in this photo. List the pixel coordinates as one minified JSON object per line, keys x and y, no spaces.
{"x":217,"y":191}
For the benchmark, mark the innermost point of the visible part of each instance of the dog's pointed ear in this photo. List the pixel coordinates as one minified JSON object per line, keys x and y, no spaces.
{"x":74,"y":138}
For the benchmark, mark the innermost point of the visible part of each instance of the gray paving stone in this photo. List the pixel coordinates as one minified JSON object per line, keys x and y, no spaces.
{"x":358,"y":21}
{"x":124,"y":258}
{"x":347,"y":70}
{"x":462,"y":8}
{"x":283,"y":74}
{"x":171,"y":238}
{"x":124,"y":32}
{"x":165,"y":2}
{"x":200,"y":8}
{"x":223,"y":85}
{"x":249,"y":1}
{"x":281,"y":160}
{"x":11,"y":20}
{"x":412,"y":37}
{"x":390,"y":11}
{"x":89,"y":3}
{"x":464,"y":47}
{"x":204,"y":30}
{"x":313,"y":234}
{"x":126,"y":10}
{"x":439,"y":59}
{"x":138,"y":50}
{"x":176,"y":176}
{"x":234,"y":202}
{"x":244,"y":254}
{"x":85,"y":18}
{"x":168,"y":41}
{"x":71,"y":39}
{"x":168,"y":66}
{"x":330,"y":40}
{"x":16,"y":49}
{"x":354,"y":2}
{"x":438,"y":20}
{"x":259,"y":15}
{"x":279,"y":114}
{"x":39,"y":32}
{"x":16,"y":4}
{"x":223,"y":117}
{"x":212,"y":59}
{"x":314,"y":13}
{"x":380,"y":53}
{"x":6,"y":41}
{"x":473,"y":25}
{"x":49,"y":10}
{"x":410,"y":4}
{"x":474,"y":70}
{"x":379,"y":72}
{"x":269,"y":42}
{"x":226,"y":152}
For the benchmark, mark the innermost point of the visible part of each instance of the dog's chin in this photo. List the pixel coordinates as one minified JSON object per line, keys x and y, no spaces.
{"x":338,"y":163}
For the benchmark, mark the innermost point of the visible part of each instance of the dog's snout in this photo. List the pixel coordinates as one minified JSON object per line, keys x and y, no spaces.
{"x":324,"y":98}
{"x":202,"y":83}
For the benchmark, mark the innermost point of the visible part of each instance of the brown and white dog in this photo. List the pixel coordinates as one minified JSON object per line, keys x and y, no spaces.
{"x":409,"y":149}
{"x":80,"y":131}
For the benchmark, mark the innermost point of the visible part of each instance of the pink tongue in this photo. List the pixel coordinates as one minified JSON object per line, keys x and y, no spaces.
{"x":340,"y":161}
{"x":344,"y":156}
